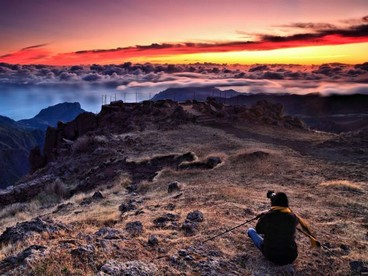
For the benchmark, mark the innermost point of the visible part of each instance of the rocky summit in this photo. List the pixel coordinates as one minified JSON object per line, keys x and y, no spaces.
{"x":139,"y":187}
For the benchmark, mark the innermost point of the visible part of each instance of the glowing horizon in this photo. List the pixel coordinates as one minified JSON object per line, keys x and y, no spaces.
{"x":88,"y":32}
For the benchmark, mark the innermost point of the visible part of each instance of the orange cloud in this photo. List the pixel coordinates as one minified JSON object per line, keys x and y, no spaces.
{"x":319,"y":37}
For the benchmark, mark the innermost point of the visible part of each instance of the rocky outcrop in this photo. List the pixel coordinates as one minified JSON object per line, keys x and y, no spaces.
{"x":262,"y":112}
{"x":118,"y":117}
{"x":17,"y":139}
{"x":84,"y":123}
{"x":36,"y":160}
{"x":22,"y":258}
{"x":26,"y":190}
{"x":22,"y":231}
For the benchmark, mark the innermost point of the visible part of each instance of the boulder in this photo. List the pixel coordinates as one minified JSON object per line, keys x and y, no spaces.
{"x":196,"y":216}
{"x":213,"y":162}
{"x":166,"y":220}
{"x":134,"y":228}
{"x":191,"y":224}
{"x":126,"y":207}
{"x":97,"y":196}
{"x":189,"y":228}
{"x":152,"y":240}
{"x":109,"y":233}
{"x":173,"y":187}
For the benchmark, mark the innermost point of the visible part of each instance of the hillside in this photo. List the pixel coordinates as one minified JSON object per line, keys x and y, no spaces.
{"x":136,"y":189}
{"x":15,"y":145}
{"x":18,"y":138}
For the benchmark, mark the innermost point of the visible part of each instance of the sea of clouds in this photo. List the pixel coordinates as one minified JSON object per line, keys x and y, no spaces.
{"x":25,"y":89}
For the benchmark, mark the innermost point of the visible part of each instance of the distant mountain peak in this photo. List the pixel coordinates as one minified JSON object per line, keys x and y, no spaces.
{"x":51,"y":115}
{"x":65,"y":107}
{"x":194,"y":93}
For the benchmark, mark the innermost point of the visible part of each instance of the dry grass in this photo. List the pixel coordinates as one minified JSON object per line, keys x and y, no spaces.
{"x":82,"y":144}
{"x":343,"y":185}
{"x":63,"y":263}
{"x":52,"y":194}
{"x":13,"y":210}
{"x":227,"y":195}
{"x":18,"y":212}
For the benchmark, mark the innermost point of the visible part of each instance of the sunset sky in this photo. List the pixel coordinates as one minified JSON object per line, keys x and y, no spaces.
{"x":70,"y":32}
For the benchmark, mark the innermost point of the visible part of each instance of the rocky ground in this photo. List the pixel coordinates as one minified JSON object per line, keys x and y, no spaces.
{"x":138,"y":196}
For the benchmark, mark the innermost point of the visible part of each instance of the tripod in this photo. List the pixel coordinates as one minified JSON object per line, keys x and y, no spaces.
{"x":231,"y":229}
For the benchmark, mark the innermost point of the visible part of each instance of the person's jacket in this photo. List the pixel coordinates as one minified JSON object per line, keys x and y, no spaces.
{"x":279,"y":236}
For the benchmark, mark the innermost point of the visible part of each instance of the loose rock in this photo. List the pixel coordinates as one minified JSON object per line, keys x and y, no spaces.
{"x":97,"y":196}
{"x":134,"y":228}
{"x":166,"y":220}
{"x":132,"y":268}
{"x":126,"y":207}
{"x":173,"y":187}
{"x":189,"y":228}
{"x":109,"y":233}
{"x":196,"y":216}
{"x":152,"y":240}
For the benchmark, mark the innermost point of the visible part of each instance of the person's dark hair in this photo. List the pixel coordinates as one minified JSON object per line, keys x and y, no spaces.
{"x":280,"y":199}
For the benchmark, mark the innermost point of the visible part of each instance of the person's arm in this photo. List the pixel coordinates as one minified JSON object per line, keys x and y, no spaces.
{"x":261,"y":224}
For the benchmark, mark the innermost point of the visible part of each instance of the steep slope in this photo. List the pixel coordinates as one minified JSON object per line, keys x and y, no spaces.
{"x":18,"y":138}
{"x":15,"y":145}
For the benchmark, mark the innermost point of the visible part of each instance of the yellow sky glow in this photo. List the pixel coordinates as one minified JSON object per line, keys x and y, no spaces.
{"x":347,"y":53}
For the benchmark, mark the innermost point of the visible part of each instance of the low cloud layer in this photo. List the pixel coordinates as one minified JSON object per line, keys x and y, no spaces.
{"x":129,"y":75}
{"x":25,"y":89}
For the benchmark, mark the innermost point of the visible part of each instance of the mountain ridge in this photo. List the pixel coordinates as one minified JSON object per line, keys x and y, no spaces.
{"x":18,"y":138}
{"x":51,"y":115}
{"x":318,"y":111}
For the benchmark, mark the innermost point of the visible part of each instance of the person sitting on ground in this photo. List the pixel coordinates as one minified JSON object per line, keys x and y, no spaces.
{"x":278,"y":227}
